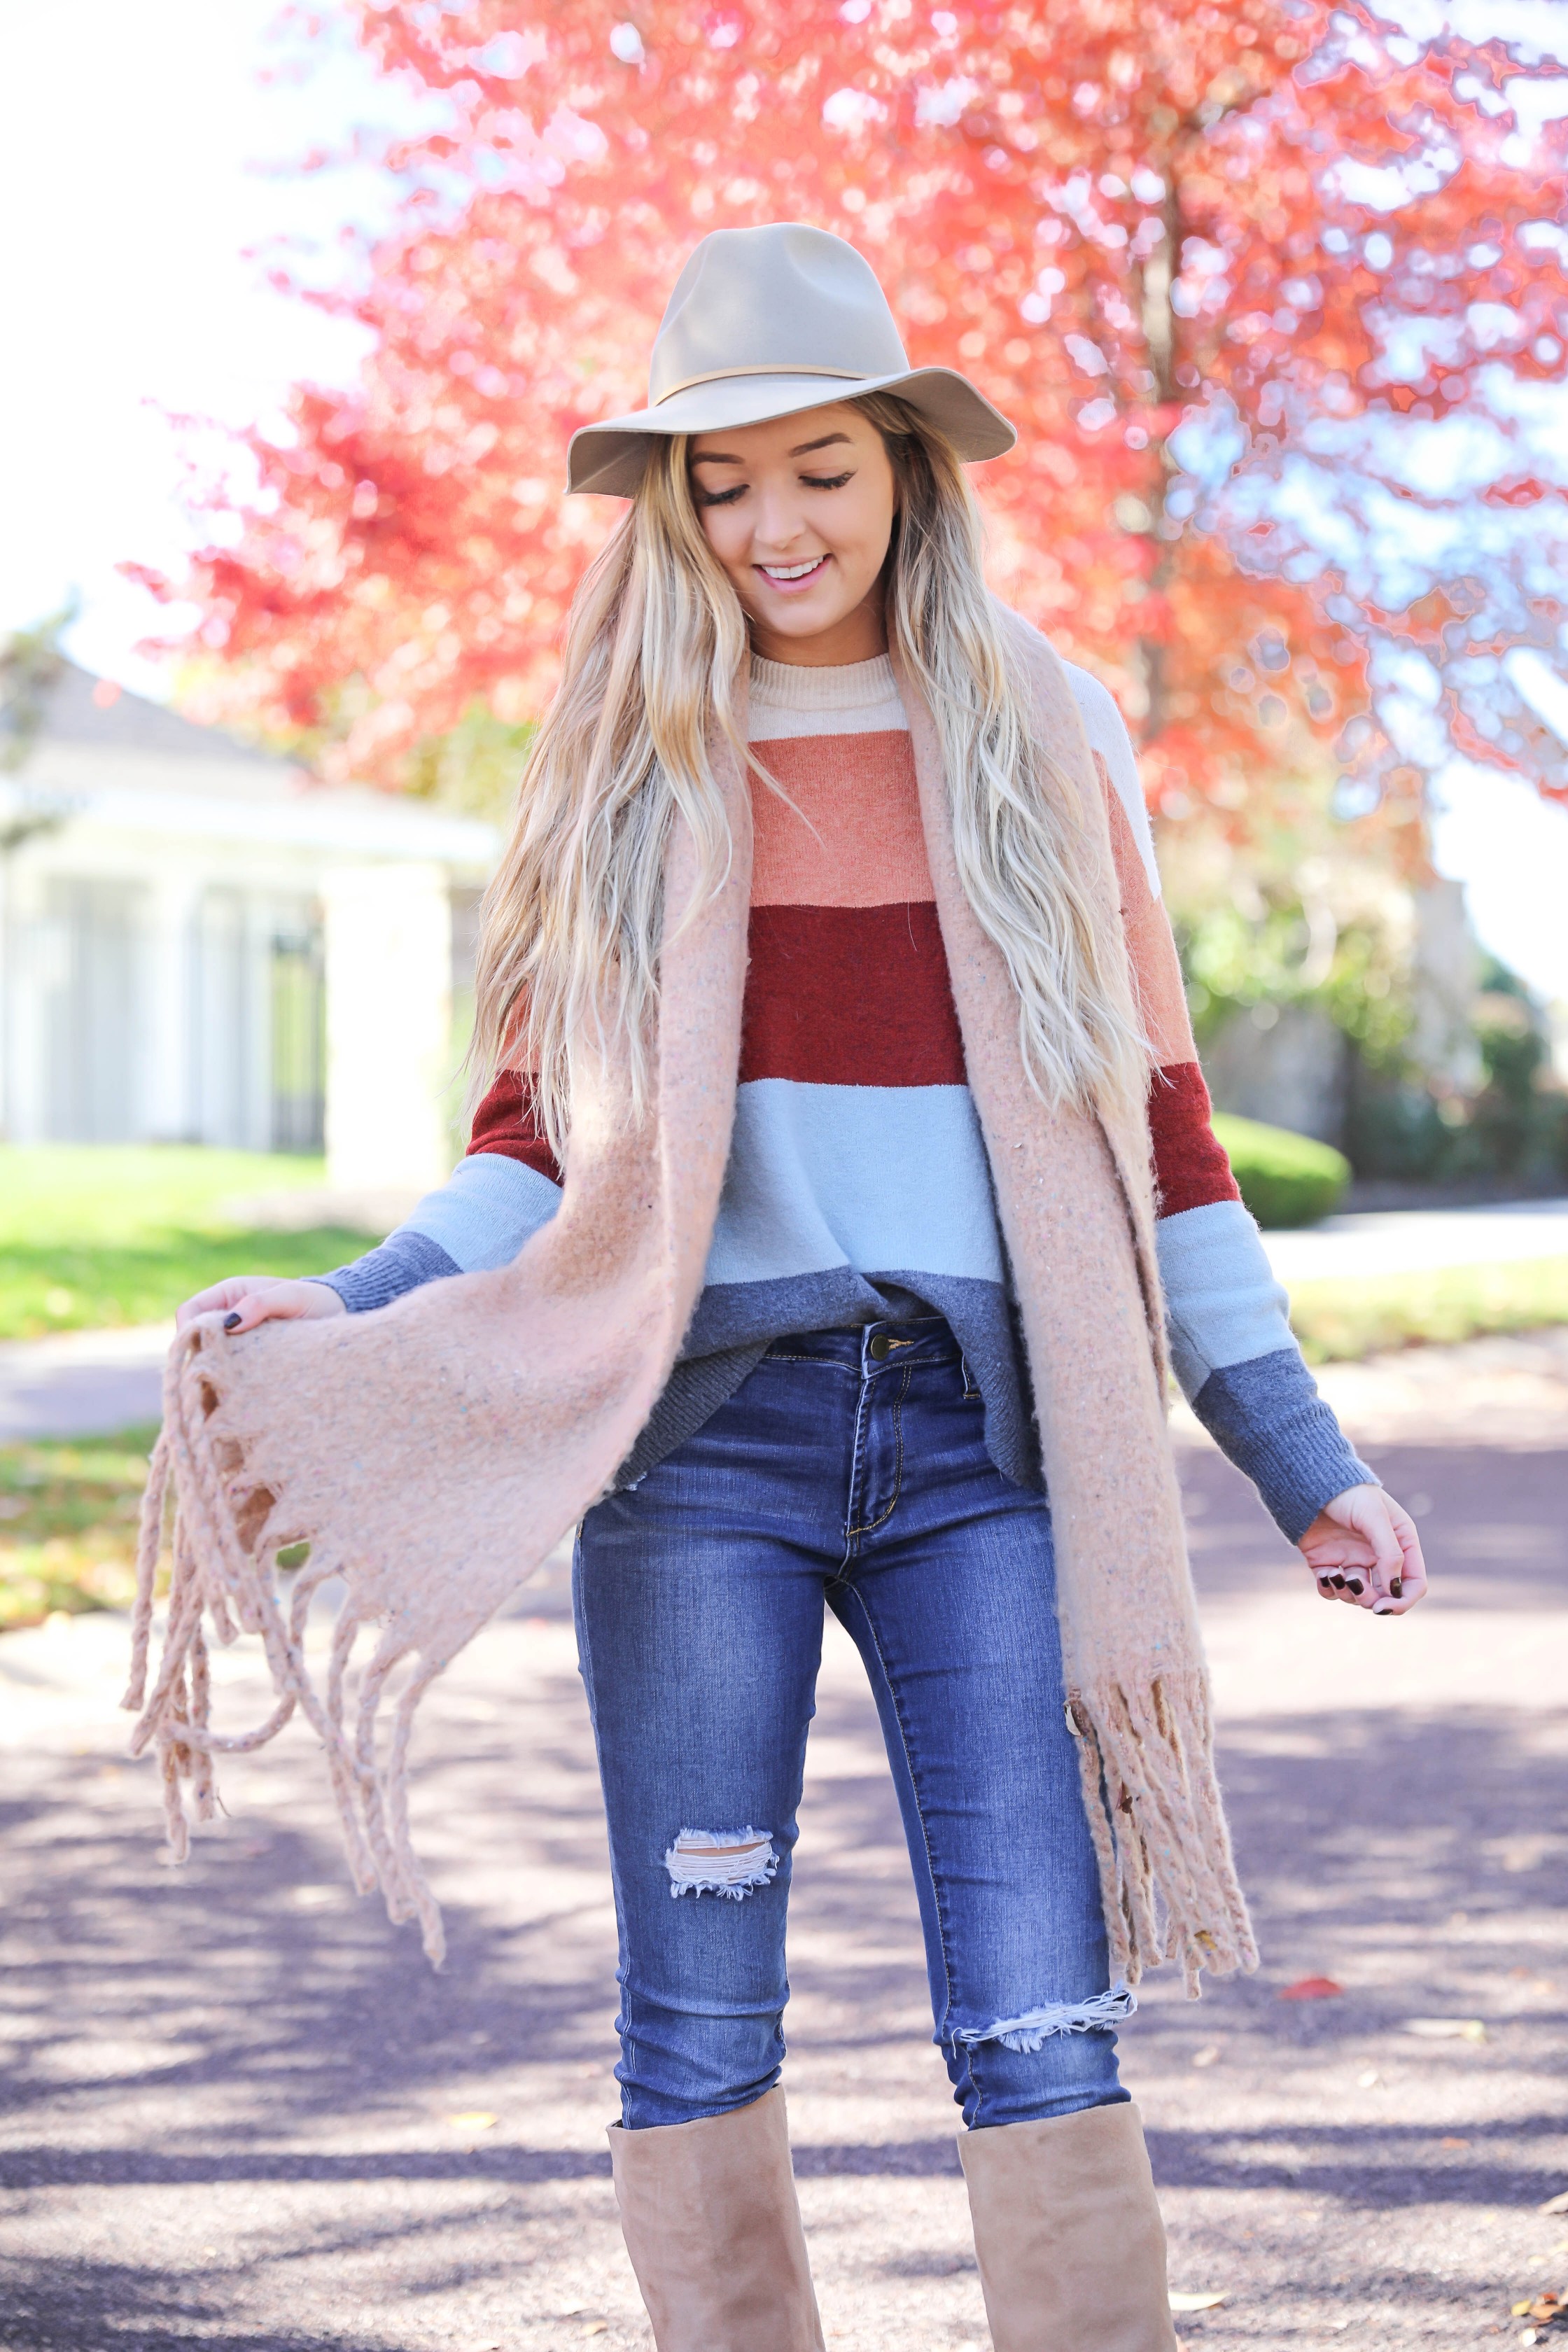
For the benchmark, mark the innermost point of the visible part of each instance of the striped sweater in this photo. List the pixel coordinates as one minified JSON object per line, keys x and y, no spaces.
{"x":858,"y":1186}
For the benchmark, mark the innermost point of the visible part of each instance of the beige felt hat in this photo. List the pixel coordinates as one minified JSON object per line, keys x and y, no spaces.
{"x":764,"y":323}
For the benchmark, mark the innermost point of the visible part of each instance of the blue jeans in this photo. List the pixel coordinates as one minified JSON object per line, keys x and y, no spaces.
{"x":849,"y":1467}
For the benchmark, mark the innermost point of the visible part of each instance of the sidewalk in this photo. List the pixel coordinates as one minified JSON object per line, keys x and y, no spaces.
{"x":1418,"y":1241}
{"x":82,"y":1383}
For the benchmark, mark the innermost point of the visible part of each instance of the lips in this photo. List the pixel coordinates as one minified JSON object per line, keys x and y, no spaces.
{"x":793,"y":575}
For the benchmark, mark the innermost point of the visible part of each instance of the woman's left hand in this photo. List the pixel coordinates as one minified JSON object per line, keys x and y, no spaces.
{"x":1363,"y":1548}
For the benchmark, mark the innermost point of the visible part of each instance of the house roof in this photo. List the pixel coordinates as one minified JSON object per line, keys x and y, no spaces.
{"x":81,"y":708}
{"x":103,"y":756}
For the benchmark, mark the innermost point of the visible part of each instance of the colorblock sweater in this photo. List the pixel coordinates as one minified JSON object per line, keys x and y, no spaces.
{"x":858,"y":1186}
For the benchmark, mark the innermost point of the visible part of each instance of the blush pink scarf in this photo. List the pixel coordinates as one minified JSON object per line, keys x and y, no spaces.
{"x":433,"y":1453}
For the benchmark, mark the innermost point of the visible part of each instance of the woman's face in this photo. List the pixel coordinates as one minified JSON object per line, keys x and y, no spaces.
{"x":799,"y":512}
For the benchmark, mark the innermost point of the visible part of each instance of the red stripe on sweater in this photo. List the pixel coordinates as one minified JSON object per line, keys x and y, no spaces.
{"x":1191,"y":1169}
{"x":851,"y":996}
{"x":505,"y":1123}
{"x":877,"y":1025}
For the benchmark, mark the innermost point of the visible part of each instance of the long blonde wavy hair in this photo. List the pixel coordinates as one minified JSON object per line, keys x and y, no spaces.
{"x":572,"y":924}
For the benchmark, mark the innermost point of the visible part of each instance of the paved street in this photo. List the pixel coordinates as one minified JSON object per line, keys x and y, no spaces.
{"x":241,"y":2112}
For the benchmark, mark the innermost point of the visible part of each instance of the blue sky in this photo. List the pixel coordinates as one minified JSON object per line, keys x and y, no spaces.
{"x":135,"y":146}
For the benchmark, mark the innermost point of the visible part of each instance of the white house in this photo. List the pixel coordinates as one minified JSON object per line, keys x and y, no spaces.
{"x":200,"y":944}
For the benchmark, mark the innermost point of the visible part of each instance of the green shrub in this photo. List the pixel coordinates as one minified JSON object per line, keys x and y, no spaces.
{"x":1285,"y":1179}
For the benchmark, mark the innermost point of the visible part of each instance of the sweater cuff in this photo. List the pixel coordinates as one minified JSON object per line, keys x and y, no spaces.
{"x":399,"y":1265}
{"x":1267,"y":1417}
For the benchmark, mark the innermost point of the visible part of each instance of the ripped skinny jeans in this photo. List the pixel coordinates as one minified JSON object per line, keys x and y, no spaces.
{"x":851,"y":1467}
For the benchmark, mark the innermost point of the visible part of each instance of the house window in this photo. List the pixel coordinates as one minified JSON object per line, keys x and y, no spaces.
{"x":298,"y":1034}
{"x":260,"y":1020}
{"x":88,"y":961}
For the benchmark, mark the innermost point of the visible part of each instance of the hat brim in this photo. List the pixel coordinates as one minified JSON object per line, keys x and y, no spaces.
{"x":610,"y":458}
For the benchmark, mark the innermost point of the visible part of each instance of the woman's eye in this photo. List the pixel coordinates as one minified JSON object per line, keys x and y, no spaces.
{"x":719,"y":498}
{"x":826,"y":481}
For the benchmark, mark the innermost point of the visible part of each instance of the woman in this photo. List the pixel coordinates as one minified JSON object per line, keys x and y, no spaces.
{"x":809,"y":803}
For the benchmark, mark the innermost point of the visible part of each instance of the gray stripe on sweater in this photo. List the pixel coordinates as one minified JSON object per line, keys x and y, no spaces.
{"x":1267,"y":1417}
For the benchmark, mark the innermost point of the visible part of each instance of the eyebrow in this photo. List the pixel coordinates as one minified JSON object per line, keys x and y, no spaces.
{"x":719,"y":457}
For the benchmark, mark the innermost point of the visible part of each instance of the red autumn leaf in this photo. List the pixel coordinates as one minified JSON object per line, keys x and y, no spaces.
{"x":1282,"y":224}
{"x":1312,"y":1988}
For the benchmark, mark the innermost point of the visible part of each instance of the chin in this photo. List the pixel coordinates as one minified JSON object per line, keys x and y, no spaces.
{"x":803,"y":620}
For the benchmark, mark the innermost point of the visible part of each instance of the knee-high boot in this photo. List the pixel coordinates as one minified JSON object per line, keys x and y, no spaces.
{"x":1068,"y":2234}
{"x":712,"y":2225}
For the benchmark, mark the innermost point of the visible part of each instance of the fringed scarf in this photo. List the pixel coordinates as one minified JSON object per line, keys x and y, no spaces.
{"x":433,"y":1453}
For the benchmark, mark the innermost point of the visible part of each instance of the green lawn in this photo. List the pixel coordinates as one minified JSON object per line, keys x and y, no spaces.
{"x":1340,"y":1322}
{"x":68,"y":1524}
{"x":98,"y":1234}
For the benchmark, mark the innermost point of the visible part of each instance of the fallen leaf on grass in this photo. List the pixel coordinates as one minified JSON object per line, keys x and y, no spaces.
{"x":1207,"y":2057}
{"x":1194,"y":2301}
{"x":1446,"y":2029}
{"x":473,"y":2119}
{"x":1312,"y":1988}
{"x":1452,"y":2142}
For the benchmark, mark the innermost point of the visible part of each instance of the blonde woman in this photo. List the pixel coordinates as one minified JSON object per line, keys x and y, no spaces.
{"x":848,"y":882}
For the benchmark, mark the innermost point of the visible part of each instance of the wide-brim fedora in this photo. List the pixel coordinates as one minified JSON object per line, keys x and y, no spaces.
{"x":764,"y":323}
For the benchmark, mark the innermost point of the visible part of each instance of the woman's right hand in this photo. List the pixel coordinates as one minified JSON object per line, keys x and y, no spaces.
{"x":247,"y":1299}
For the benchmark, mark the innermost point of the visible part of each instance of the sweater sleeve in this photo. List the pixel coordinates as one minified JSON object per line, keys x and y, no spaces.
{"x":1232,"y":1346}
{"x":507,"y":1185}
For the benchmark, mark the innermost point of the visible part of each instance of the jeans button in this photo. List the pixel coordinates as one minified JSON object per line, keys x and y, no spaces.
{"x":881,"y":1348}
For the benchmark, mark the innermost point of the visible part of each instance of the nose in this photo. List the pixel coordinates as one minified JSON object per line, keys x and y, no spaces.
{"x":780,"y":525}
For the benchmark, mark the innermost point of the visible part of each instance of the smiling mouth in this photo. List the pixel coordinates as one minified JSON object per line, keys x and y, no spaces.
{"x":790,"y":575}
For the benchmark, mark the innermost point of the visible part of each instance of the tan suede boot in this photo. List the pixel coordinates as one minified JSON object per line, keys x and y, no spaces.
{"x":712,"y":2225}
{"x":1068,"y":2234}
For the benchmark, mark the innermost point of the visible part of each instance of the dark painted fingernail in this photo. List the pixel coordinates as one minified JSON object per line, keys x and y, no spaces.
{"x":1325,"y":1583}
{"x":230,"y":1320}
{"x":1396,"y":1586}
{"x":1337,"y":1582}
{"x":1355,"y":1585}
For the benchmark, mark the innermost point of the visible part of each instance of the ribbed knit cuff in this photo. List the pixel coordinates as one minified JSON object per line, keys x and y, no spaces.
{"x":1268,"y":1418}
{"x":401,"y":1263}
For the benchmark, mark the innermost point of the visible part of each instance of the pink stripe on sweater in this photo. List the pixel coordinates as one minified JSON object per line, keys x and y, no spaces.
{"x":860,"y":843}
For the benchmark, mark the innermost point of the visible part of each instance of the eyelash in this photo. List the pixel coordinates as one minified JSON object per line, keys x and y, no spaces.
{"x":811,"y":481}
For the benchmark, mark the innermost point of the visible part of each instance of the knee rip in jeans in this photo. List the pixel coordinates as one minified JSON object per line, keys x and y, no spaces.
{"x":721,"y":1861}
{"x":1035,"y":2027}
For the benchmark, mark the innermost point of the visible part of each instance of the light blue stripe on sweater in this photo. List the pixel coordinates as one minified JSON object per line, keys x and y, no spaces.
{"x":484,"y":1213}
{"x":1223,"y":1303}
{"x":861,"y":1176}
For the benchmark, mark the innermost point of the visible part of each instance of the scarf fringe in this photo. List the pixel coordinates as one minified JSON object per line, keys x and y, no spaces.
{"x":224,"y":1544}
{"x":1167,"y":1876}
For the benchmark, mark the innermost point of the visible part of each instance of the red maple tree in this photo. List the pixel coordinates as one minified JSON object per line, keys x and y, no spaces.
{"x":1271,"y":289}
